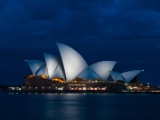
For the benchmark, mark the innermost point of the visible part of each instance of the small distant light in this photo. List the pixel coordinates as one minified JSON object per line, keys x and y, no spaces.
{"x":142,"y":70}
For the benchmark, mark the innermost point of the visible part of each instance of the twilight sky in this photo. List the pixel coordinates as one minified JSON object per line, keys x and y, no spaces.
{"x":126,"y":31}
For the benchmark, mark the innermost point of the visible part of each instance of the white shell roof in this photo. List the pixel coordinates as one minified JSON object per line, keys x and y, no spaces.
{"x":120,"y":77}
{"x":114,"y":75}
{"x":103,"y":68}
{"x":42,"y":70}
{"x":130,"y":75}
{"x":59,"y":72}
{"x":88,"y":74}
{"x":73,"y":62}
{"x":72,"y":65}
{"x":51,"y":64}
{"x":34,"y":65}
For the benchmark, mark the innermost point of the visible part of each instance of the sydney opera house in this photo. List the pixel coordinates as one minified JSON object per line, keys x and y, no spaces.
{"x":71,"y":72}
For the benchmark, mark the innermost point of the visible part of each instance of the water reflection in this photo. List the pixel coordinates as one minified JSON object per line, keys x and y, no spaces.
{"x":79,"y":106}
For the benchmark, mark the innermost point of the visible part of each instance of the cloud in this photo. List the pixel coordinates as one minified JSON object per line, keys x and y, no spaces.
{"x":67,"y":20}
{"x":120,"y":30}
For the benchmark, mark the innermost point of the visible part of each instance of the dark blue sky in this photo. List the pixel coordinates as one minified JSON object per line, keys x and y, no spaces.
{"x":126,"y":31}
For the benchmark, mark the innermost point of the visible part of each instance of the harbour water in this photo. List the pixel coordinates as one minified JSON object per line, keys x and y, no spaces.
{"x":123,"y":106}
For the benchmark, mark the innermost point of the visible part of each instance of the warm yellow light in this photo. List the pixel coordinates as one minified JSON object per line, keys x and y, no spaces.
{"x":58,"y":80}
{"x":43,"y":76}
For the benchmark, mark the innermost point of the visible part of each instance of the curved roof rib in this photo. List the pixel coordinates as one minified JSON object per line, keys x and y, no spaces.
{"x":103,"y":68}
{"x":73,"y":62}
{"x":120,"y":77}
{"x":59,"y":72}
{"x":88,"y":74}
{"x":130,"y":75}
{"x":34,"y":65}
{"x":116,"y":76}
{"x":42,"y":70}
{"x":51,"y":64}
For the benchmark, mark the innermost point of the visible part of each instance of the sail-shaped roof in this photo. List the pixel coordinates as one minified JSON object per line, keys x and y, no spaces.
{"x":73,"y":62}
{"x":42,"y":70}
{"x":130,"y":75}
{"x":88,"y":73}
{"x":51,"y":64}
{"x":114,"y":75}
{"x":120,"y":77}
{"x":103,"y":68}
{"x":59,"y":72}
{"x":34,"y":65}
